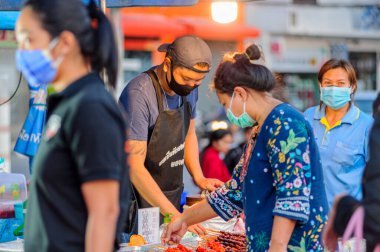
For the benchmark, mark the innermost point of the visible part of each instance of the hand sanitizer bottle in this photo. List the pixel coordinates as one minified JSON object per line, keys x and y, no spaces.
{"x":167,"y":220}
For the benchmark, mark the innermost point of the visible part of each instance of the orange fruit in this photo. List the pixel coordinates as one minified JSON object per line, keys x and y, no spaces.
{"x":136,"y":240}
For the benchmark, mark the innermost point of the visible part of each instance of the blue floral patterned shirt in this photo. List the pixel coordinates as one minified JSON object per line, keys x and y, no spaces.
{"x":279,"y":175}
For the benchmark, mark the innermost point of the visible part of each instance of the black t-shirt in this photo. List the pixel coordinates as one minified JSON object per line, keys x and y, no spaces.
{"x":83,"y":141}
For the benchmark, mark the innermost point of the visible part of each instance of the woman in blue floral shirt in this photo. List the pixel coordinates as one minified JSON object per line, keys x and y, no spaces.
{"x":278,"y":183}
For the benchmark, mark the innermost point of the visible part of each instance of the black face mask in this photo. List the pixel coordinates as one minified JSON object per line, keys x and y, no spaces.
{"x":181,"y":90}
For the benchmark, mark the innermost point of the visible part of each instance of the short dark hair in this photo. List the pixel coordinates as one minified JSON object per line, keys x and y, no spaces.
{"x":237,"y":70}
{"x":218,"y":134}
{"x":339,"y":63}
{"x":90,"y":26}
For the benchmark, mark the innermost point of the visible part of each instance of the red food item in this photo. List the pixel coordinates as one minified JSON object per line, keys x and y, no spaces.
{"x":183,"y":248}
{"x":179,"y":248}
{"x":172,"y":250}
{"x":216,"y":246}
{"x":211,"y":247}
{"x":200,"y":249}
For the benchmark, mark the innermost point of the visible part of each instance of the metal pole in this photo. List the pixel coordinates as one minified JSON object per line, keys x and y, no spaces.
{"x":119,"y":36}
{"x":103,"y":5}
{"x":103,"y":9}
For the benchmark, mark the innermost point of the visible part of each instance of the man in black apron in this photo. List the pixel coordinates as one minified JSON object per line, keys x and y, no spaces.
{"x":160,"y":105}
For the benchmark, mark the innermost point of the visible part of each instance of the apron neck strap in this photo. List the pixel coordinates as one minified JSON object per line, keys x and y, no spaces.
{"x":157,"y":88}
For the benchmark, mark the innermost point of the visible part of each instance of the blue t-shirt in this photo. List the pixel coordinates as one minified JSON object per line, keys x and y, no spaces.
{"x":140,"y":103}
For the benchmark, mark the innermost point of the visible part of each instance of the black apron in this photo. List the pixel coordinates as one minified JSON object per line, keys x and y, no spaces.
{"x":165,"y":153}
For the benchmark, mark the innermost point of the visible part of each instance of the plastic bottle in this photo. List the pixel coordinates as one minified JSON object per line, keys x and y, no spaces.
{"x":167,"y":220}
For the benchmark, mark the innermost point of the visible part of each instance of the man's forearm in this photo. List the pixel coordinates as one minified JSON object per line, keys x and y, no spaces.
{"x":143,"y":181}
{"x":151,"y":192}
{"x":192,"y":157}
{"x":192,"y":153}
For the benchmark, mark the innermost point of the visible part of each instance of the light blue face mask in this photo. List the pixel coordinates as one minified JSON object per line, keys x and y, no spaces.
{"x":335,"y":97}
{"x":37,"y":66}
{"x":242,"y":121}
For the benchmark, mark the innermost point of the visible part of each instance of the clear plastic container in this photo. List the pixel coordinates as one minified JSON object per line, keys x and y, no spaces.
{"x":13,"y":191}
{"x":12,"y":187}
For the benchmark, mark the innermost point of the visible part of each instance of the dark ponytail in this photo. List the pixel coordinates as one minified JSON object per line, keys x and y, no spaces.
{"x":238,"y":69}
{"x":90,"y":26}
{"x":105,"y":51}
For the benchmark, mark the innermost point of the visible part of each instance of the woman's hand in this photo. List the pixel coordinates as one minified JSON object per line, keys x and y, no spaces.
{"x":330,"y":237}
{"x":175,"y":230}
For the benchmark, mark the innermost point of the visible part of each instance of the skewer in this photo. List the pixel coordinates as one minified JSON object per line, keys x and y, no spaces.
{"x":208,"y":237}
{"x":159,"y":247}
{"x":213,"y":230}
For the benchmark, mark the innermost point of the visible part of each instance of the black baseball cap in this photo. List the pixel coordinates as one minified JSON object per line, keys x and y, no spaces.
{"x":187,"y":51}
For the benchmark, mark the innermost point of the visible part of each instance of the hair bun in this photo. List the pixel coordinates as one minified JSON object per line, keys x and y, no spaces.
{"x":253,"y":52}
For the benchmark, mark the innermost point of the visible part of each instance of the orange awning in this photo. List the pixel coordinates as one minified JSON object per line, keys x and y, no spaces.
{"x":139,"y":25}
{"x":150,"y":26}
{"x":210,"y":30}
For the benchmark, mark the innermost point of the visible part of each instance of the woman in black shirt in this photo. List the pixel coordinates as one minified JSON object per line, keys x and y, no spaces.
{"x":78,"y":190}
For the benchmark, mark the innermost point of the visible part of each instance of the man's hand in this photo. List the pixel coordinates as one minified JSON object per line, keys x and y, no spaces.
{"x":208,"y":184}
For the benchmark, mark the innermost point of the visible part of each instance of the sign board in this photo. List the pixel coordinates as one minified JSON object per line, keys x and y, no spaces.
{"x":286,"y":57}
{"x":149,"y":224}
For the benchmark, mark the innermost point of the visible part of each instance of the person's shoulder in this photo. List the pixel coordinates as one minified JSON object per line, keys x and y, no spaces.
{"x":140,"y":83}
{"x":310,"y":111}
{"x":366,"y":118}
{"x":95,"y":92}
{"x":101,"y":104}
{"x":287,"y":110}
{"x":94,"y":96}
{"x":139,"y":88}
{"x":289,"y":116}
{"x":210,"y":152}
